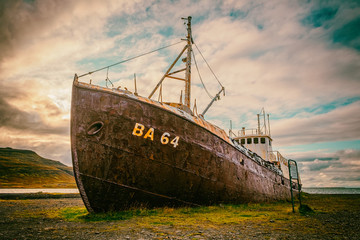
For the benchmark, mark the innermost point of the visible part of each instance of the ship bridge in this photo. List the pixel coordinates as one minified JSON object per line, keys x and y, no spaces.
{"x":259,"y":141}
{"x":256,"y":141}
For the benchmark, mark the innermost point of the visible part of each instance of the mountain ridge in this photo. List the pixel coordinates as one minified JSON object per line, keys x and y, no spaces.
{"x":21,"y":168}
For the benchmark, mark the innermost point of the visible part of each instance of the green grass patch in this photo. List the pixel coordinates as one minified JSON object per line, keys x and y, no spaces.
{"x":269,"y":215}
{"x":82,"y":215}
{"x":266,"y":218}
{"x":37,"y":213}
{"x":210,"y":216}
{"x":73,"y":214}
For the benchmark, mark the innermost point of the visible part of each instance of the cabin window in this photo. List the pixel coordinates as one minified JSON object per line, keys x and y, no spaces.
{"x":262,"y":140}
{"x":256,"y":140}
{"x":243,"y":141}
{"x":248,"y":140}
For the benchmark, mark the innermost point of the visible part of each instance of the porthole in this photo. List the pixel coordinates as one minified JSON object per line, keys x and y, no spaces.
{"x":95,"y":128}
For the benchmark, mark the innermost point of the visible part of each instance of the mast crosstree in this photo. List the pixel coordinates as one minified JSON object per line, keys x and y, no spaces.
{"x":187,"y":69}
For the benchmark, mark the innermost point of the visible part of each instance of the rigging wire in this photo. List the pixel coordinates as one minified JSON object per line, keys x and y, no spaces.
{"x":129,"y":59}
{"x":210,"y":96}
{"x":107,"y":78}
{"x":208,"y":65}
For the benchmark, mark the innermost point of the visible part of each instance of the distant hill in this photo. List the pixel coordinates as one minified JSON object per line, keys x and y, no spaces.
{"x":26,"y":169}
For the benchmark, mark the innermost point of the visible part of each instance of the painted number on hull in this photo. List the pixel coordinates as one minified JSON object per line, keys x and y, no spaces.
{"x":139,"y":130}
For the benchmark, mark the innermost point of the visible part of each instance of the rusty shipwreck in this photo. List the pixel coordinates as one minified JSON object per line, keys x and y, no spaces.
{"x":130,"y":151}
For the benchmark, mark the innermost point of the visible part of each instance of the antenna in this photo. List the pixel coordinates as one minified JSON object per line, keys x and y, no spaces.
{"x":263,"y":124}
{"x":264,"y":120}
{"x":230,"y":130}
{"x":269,"y":124}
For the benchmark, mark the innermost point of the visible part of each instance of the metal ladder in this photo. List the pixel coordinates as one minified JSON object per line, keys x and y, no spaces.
{"x":294,"y":174}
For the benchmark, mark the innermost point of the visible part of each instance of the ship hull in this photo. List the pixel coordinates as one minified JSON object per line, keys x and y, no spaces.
{"x":128,"y":152}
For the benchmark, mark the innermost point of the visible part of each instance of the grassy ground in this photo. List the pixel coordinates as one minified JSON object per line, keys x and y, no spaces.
{"x":328,"y":217}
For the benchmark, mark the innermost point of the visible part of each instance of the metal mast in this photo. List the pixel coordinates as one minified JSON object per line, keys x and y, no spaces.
{"x":188,"y":63}
{"x":187,"y":68}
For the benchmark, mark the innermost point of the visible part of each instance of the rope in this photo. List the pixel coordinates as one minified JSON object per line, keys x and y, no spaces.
{"x":208,"y":65}
{"x":141,"y":55}
{"x":201,"y":77}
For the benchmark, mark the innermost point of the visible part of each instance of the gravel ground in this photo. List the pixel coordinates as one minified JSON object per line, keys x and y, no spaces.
{"x":16,"y":222}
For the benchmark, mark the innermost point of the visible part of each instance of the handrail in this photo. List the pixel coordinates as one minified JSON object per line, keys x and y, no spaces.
{"x":298,"y":182}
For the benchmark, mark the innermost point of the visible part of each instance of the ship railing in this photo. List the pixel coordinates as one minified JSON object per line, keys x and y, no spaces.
{"x":244,"y":132}
{"x":275,"y":156}
{"x":232,"y":134}
{"x":248,"y":131}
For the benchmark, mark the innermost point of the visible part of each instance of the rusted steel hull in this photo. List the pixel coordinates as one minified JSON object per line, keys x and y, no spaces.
{"x":116,"y":168}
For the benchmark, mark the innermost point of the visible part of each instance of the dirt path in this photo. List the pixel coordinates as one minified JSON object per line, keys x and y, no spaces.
{"x":335,"y":217}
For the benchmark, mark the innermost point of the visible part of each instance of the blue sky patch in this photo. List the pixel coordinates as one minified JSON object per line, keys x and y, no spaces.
{"x":260,"y":26}
{"x":320,"y":159}
{"x":236,"y":14}
{"x":319,"y":109}
{"x":319,"y":17}
{"x":115,"y":25}
{"x":349,"y":34}
{"x":199,"y":19}
{"x":168,"y":31}
{"x":330,"y":146}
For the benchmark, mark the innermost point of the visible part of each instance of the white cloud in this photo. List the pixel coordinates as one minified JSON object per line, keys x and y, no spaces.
{"x":337,"y":169}
{"x":337,"y":125}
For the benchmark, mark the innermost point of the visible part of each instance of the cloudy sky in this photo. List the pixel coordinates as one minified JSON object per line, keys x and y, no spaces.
{"x":300,"y":60}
